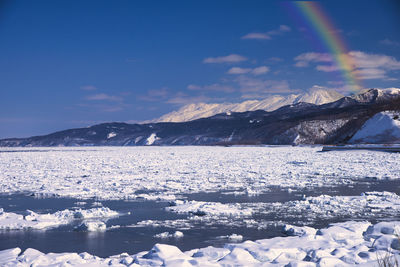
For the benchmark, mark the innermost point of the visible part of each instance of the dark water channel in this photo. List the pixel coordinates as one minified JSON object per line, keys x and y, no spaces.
{"x":136,"y":239}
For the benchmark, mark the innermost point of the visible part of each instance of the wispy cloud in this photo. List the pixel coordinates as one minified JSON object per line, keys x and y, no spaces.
{"x":212,"y":87}
{"x":275,"y":59}
{"x":255,"y":71}
{"x":303,"y":60}
{"x":370,"y":73}
{"x":89,"y":88}
{"x":365,"y":66}
{"x":233,"y":58}
{"x":183,"y":99}
{"x":267,"y":35}
{"x":155,"y":95}
{"x":249,"y":86}
{"x":106,"y":97}
{"x":257,"y":36}
{"x":389,"y":42}
{"x":104,"y":107}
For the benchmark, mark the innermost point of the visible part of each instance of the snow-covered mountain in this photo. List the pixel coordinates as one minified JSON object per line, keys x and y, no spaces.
{"x":383,"y":127}
{"x":202,"y":110}
{"x":370,"y":117}
{"x":376,"y":95}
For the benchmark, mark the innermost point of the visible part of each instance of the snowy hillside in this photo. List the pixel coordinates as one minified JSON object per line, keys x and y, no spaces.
{"x":384,"y":127}
{"x":202,"y":110}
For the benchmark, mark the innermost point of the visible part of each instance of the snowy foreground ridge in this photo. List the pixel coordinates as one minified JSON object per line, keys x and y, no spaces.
{"x":340,"y":244}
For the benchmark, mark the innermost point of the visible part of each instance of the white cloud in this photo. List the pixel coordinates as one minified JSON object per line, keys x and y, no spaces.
{"x":233,"y":58}
{"x":363,"y":65}
{"x":260,"y":70}
{"x":88,"y":88}
{"x":257,"y":35}
{"x":364,"y":60}
{"x":212,"y":87}
{"x":304,"y":59}
{"x":238,"y":70}
{"x":327,"y":68}
{"x":267,"y":35}
{"x":102,"y":96}
{"x":367,"y":74}
{"x":284,"y":28}
{"x":255,"y":71}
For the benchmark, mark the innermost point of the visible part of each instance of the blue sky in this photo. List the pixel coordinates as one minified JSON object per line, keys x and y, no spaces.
{"x":67,"y":64}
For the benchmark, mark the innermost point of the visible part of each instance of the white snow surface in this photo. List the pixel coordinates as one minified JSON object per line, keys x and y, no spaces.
{"x":340,"y":244}
{"x":33,"y":220}
{"x":382,"y":126}
{"x":202,"y":110}
{"x":111,"y":135}
{"x":167,"y":172}
{"x":151,"y":139}
{"x":209,"y":208}
{"x":166,"y":235}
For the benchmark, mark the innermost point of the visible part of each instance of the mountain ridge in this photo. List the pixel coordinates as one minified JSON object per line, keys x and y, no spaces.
{"x":203,"y":110}
{"x":300,"y":123}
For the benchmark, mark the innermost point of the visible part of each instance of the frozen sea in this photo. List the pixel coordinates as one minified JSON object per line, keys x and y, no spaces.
{"x":188,"y":197}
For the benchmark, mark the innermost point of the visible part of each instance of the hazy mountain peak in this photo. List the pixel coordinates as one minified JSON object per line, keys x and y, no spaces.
{"x":316,"y":95}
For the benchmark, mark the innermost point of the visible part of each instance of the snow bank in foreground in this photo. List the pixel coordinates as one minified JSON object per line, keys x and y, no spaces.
{"x":340,"y":244}
{"x":33,"y":220}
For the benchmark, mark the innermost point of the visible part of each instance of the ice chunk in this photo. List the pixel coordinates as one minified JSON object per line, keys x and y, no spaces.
{"x":91,"y":226}
{"x":33,"y":220}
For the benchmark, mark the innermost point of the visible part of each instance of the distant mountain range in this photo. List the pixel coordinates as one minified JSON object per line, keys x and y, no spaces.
{"x":347,"y":120}
{"x":202,"y":110}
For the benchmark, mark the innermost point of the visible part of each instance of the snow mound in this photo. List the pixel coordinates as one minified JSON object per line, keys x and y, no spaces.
{"x":383,"y":127}
{"x":340,"y":244}
{"x":33,"y":220}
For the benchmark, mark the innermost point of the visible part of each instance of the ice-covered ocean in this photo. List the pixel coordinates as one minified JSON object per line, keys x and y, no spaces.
{"x":221,"y":206}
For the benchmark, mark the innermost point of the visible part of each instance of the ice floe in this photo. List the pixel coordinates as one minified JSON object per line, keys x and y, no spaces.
{"x":368,"y":204}
{"x":33,"y":220}
{"x":201,"y":208}
{"x":166,"y":235}
{"x":91,"y":226}
{"x":340,"y":244}
{"x":166,"y":172}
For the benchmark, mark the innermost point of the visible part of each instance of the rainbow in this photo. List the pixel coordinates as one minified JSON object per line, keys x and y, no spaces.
{"x":319,"y":22}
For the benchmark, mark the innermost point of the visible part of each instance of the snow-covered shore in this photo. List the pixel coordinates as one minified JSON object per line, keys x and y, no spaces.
{"x":340,"y":244}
